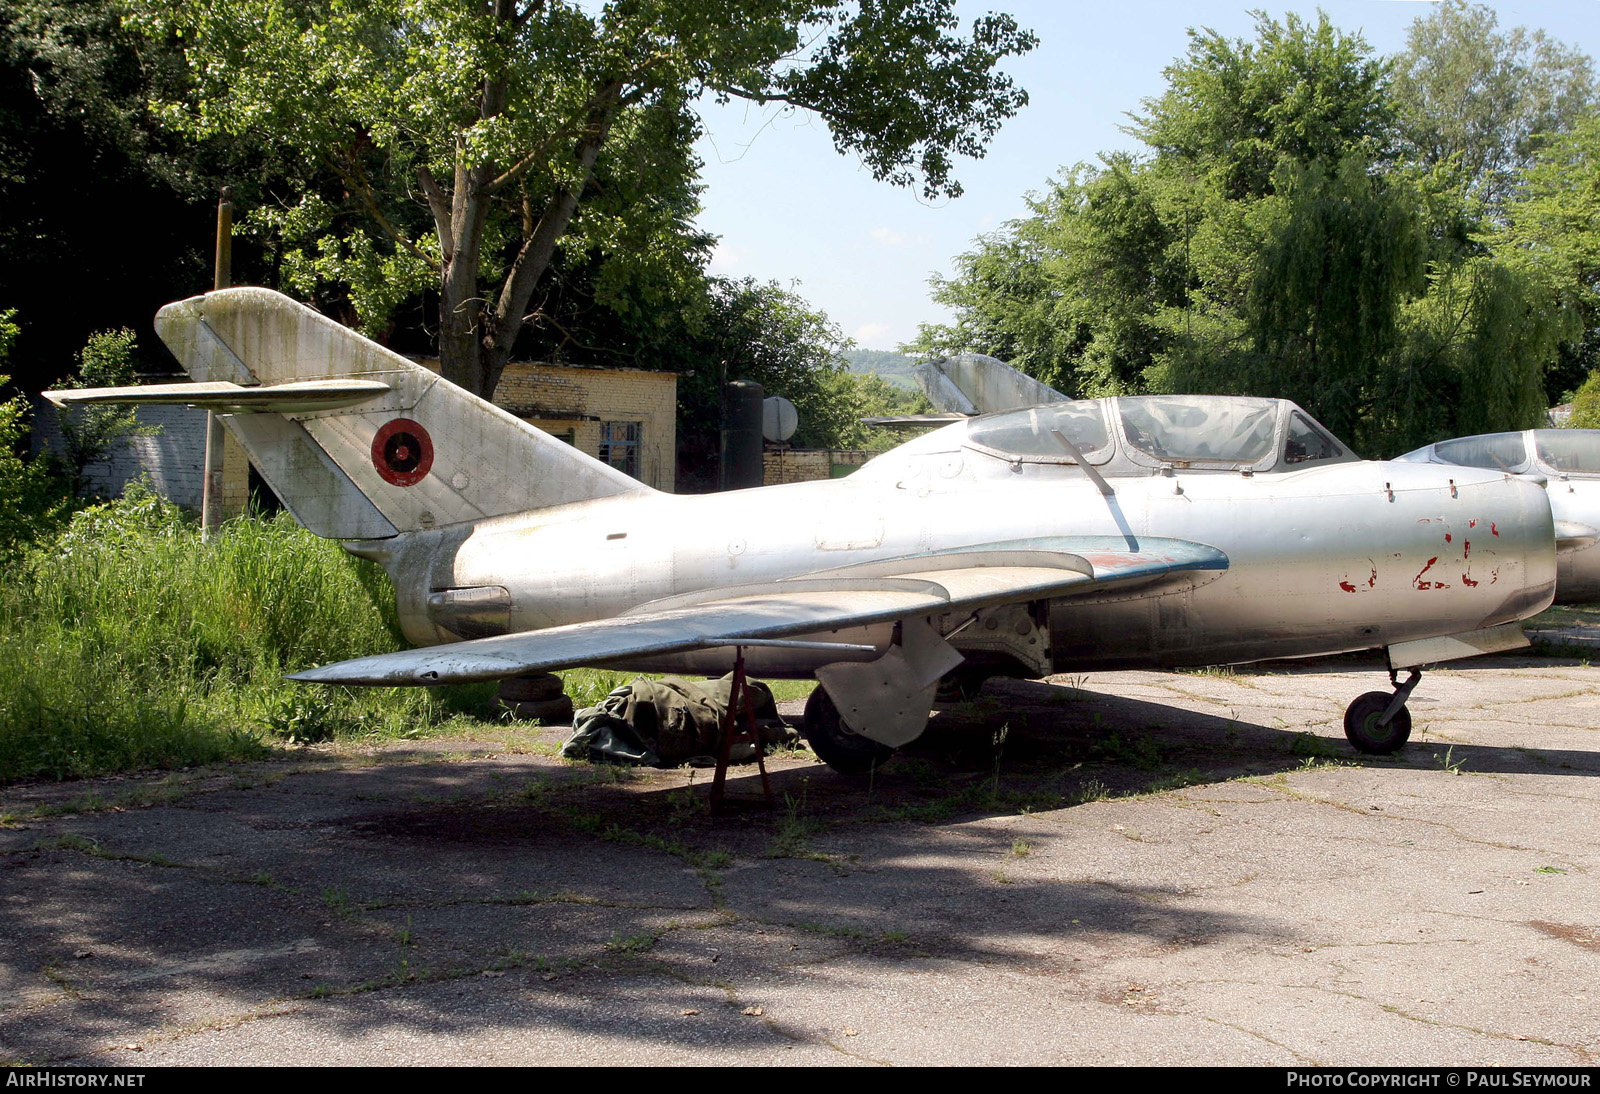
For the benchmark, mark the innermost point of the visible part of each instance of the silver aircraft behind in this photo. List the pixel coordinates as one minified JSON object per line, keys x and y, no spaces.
{"x":1158,"y":531}
{"x":1566,"y":462}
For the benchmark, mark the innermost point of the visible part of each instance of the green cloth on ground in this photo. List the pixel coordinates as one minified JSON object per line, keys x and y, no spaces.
{"x":670,"y":721}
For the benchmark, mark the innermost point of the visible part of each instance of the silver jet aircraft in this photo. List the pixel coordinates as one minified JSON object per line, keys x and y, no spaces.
{"x":1566,"y":462}
{"x":1158,"y":531}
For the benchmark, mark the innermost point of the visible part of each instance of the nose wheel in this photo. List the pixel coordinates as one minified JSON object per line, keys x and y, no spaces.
{"x":1378,"y":722}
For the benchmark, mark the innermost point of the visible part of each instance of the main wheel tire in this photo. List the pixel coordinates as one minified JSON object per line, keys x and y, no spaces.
{"x":1361,"y":724}
{"x":835,"y":743}
{"x":960,"y":685}
{"x":550,"y":712}
{"x":533,"y":688}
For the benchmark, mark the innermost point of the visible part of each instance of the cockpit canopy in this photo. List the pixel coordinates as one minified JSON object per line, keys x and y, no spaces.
{"x":1551,"y":451}
{"x":1138,"y":434}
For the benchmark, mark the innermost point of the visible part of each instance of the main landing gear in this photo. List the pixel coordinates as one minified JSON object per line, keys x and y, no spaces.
{"x":835,"y":743}
{"x":1378,"y":722}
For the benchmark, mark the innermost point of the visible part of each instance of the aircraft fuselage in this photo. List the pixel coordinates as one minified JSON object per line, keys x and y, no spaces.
{"x":1321,"y":560}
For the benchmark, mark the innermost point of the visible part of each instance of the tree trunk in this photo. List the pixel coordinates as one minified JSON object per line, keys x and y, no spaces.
{"x":459,"y":358}
{"x":475,"y":343}
{"x":532,"y":261}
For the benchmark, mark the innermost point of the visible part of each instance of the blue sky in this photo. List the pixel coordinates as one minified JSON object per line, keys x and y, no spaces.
{"x":789,"y":208}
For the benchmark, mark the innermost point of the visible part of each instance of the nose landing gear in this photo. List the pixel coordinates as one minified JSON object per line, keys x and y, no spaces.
{"x":1378,"y":722}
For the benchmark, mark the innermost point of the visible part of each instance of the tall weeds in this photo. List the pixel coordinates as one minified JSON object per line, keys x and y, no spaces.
{"x":127,"y":642}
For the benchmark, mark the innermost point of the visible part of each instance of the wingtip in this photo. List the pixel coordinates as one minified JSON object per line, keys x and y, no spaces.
{"x":348,"y":674}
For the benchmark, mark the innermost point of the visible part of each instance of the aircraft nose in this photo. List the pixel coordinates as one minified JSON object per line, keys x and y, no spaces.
{"x":1520,"y":539}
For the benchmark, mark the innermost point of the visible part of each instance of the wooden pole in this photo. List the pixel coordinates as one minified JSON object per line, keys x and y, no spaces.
{"x":211,"y":483}
{"x":224,"y":262}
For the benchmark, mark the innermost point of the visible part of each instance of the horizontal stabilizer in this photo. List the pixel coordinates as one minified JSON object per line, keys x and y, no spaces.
{"x":966,"y":579}
{"x":301,"y":397}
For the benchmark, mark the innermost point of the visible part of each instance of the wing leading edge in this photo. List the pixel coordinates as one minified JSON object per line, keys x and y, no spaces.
{"x":886,"y":591}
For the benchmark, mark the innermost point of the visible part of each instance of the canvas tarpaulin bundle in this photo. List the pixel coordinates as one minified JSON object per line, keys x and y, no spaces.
{"x":670,"y":721}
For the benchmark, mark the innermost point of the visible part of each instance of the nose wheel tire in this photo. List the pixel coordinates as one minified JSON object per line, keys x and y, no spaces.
{"x":835,"y":743}
{"x":1361,"y":724}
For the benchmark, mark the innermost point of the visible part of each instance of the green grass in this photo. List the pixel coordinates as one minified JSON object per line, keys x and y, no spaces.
{"x":128,"y":643}
{"x":587,"y":687}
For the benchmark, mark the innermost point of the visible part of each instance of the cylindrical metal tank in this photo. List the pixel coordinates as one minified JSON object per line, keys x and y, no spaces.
{"x":741,"y":435}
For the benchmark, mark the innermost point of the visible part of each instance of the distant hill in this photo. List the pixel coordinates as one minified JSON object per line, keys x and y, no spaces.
{"x":893,"y":367}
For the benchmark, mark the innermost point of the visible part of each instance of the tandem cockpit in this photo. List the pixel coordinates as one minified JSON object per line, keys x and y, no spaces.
{"x":1556,"y":453}
{"x":1567,"y":463}
{"x":1142,"y":435}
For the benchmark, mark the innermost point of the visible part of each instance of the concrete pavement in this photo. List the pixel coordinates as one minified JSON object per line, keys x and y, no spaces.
{"x":1127,"y":868}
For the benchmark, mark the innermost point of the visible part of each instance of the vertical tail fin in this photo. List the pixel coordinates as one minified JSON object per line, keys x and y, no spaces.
{"x":418,"y":454}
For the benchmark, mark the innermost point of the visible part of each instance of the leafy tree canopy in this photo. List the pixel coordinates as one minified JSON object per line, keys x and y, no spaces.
{"x":1480,"y":100}
{"x":96,"y":200}
{"x":1283,"y":238}
{"x":476,"y":138}
{"x":1298,"y":91}
{"x":1554,"y":234}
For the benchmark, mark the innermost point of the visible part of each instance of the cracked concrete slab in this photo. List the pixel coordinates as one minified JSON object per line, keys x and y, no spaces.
{"x":1125,"y":868}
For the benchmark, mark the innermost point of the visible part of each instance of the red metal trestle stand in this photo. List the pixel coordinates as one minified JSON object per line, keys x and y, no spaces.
{"x":739,"y":728}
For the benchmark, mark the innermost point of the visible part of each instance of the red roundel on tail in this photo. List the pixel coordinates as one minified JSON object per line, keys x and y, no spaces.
{"x":402,"y":452}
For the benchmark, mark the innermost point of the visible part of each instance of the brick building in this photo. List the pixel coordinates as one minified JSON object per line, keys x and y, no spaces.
{"x":173,"y":457}
{"x":780,"y":464}
{"x":627,"y":417}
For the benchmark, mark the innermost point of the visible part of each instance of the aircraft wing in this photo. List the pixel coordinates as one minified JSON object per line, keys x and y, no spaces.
{"x":964,"y":579}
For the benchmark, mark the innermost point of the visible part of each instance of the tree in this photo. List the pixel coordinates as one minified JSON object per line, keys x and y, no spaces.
{"x":1123,"y":264}
{"x":1480,"y":101}
{"x":1340,"y":254}
{"x":1078,"y":294}
{"x":91,"y":432}
{"x":763,"y":332}
{"x":1236,"y":107}
{"x":98,"y":203}
{"x":473,"y":136}
{"x":1586,"y":404}
{"x":32,"y":501}
{"x":1554,"y":235}
{"x":1274,"y":242}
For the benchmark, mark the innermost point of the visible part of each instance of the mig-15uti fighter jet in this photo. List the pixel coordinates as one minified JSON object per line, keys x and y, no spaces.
{"x":1153,"y":532}
{"x":1566,"y":462}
